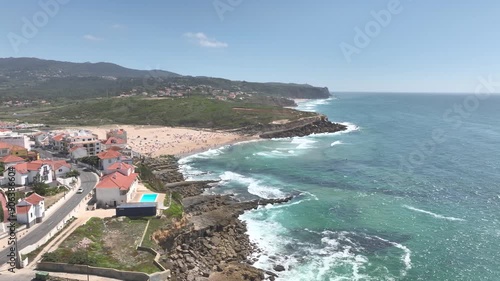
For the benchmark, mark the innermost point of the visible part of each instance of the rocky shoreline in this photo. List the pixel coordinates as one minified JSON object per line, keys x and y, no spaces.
{"x":209,"y":243}
{"x":317,"y":125}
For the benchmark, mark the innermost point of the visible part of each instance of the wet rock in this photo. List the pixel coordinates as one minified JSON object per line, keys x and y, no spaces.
{"x":279,"y":267}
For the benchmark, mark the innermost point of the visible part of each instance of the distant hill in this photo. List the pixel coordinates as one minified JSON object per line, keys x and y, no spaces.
{"x":49,"y":79}
{"x":33,"y":67}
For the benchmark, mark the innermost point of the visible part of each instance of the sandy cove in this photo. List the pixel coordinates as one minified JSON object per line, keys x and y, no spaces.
{"x":156,"y":140}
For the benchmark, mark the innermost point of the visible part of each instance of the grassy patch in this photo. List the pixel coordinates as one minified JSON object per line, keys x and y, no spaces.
{"x":194,"y":111}
{"x":31,"y":255}
{"x":107,"y":243}
{"x":149,"y":180}
{"x":154,"y":225}
{"x":51,"y":200}
{"x":175,"y":210}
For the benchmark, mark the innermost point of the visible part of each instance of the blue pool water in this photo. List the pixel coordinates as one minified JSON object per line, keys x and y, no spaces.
{"x":150,"y":197}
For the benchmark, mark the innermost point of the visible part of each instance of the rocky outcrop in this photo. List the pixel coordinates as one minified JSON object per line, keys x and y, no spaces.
{"x":214,"y":244}
{"x":316,"y":126}
{"x":189,"y":188}
{"x":209,"y":243}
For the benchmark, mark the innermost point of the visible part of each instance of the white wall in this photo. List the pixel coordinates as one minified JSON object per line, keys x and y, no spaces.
{"x":16,"y":139}
{"x":108,"y":162}
{"x":62,"y":171}
{"x":21,"y":218}
{"x":108,"y":196}
{"x":40,"y":209}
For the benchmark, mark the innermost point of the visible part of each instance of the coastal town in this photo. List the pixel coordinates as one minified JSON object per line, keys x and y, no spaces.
{"x":64,"y":181}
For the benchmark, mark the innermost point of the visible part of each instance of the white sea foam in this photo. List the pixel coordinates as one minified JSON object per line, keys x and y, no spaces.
{"x":254,"y":186}
{"x":350,"y":128}
{"x":336,"y":143}
{"x":303,"y":143}
{"x":438,"y":216}
{"x":406,"y":258}
{"x":311,"y":105}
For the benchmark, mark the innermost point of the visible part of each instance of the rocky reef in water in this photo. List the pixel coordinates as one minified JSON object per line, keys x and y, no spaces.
{"x":317,"y":125}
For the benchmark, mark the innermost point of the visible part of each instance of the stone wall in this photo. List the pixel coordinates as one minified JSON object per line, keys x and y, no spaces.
{"x":99,"y":271}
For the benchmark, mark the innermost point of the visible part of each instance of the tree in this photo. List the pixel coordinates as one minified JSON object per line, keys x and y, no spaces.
{"x":72,"y":173}
{"x":2,"y":167}
{"x":39,"y":186}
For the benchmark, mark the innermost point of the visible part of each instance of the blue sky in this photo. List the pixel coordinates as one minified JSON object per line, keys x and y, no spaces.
{"x":426,"y":46}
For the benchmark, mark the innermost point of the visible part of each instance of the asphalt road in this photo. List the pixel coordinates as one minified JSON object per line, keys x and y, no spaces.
{"x":89,"y":181}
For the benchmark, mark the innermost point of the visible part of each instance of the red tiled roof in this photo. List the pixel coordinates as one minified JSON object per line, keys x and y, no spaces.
{"x":23,"y":209}
{"x":109,"y":154}
{"x":34,"y":199}
{"x":117,"y":180}
{"x":17,"y":147}
{"x":54,"y":164}
{"x":58,"y":137}
{"x":120,"y":166}
{"x":4,"y":145}
{"x":23,"y":168}
{"x":11,"y":159}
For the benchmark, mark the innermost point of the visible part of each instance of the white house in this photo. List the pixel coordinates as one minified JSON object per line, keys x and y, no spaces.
{"x":15,"y":139}
{"x":25,"y":213}
{"x":59,"y":167}
{"x":57,"y":141}
{"x":114,"y":142}
{"x":38,"y":203}
{"x":108,"y":158}
{"x":116,"y":188}
{"x":77,"y":152}
{"x":11,"y":160}
{"x":27,"y":172}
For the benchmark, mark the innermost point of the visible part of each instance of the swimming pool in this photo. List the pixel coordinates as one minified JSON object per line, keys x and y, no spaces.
{"x":149,"y":197}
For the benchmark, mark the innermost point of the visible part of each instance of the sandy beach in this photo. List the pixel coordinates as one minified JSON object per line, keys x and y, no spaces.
{"x":156,"y":140}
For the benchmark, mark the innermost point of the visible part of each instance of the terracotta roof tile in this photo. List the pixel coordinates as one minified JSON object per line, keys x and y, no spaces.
{"x":4,"y":145}
{"x":34,"y":199}
{"x":120,"y":166}
{"x":117,"y":180}
{"x":23,"y":207}
{"x":109,"y":154}
{"x":11,"y":159}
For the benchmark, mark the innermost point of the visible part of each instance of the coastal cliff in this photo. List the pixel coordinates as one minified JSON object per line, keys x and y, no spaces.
{"x":209,"y":243}
{"x":299,"y":128}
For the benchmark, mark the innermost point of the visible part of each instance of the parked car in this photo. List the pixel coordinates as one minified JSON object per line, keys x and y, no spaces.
{"x":80,"y":190}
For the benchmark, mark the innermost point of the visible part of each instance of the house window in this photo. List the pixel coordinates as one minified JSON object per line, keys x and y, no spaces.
{"x":60,"y":170}
{"x":109,"y":160}
{"x":31,"y":215}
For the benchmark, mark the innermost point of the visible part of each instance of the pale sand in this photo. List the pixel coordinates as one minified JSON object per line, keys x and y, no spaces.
{"x":155,"y":140}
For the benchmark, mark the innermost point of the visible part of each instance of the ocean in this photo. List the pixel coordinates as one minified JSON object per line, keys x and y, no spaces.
{"x":410,"y":192}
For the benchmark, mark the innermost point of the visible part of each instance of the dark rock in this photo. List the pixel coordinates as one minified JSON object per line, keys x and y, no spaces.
{"x":279,"y":267}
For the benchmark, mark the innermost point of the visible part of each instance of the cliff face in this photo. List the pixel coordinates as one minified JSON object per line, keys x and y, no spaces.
{"x":302,"y":127}
{"x":314,"y":126}
{"x":214,"y":241}
{"x":209,"y":243}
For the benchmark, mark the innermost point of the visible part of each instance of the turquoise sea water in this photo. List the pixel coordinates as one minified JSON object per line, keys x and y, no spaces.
{"x":411,"y":192}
